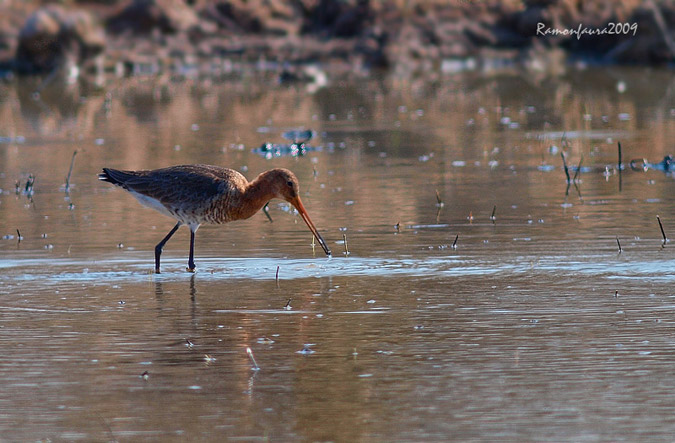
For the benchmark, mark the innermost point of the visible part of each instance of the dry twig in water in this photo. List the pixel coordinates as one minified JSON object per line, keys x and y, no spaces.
{"x":620,"y":163}
{"x":567,"y":171}
{"x":70,"y":171}
{"x":255,"y":364}
{"x":620,"y":167}
{"x":663,"y":233}
{"x":576,"y":173}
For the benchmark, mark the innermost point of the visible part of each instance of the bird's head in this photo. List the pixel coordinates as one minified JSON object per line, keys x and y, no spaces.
{"x":285,"y":186}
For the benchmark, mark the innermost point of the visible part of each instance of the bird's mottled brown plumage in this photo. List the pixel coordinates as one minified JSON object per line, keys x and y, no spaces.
{"x":197,"y":194}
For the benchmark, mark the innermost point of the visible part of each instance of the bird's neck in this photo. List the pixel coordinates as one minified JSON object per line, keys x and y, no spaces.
{"x":257,"y":194}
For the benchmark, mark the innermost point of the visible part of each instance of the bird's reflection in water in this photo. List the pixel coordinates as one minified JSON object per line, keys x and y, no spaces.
{"x":159,"y":290}
{"x":193,"y":290}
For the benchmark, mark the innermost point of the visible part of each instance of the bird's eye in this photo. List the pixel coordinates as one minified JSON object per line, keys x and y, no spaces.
{"x":289,"y":183}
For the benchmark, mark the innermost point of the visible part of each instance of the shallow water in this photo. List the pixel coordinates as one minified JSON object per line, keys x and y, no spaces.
{"x":534,"y":327}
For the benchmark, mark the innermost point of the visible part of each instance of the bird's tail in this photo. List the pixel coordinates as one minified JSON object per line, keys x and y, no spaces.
{"x":114,"y":176}
{"x":105,"y":176}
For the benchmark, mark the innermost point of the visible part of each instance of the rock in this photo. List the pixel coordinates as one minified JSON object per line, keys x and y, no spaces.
{"x":235,"y":18}
{"x":266,"y":17}
{"x":53,"y":37}
{"x":351,"y":22}
{"x":146,"y":16}
{"x":345,"y":19}
{"x":480,"y":35}
{"x":528,"y":20}
{"x":655,"y":44}
{"x":540,"y":59}
{"x":372,"y":48}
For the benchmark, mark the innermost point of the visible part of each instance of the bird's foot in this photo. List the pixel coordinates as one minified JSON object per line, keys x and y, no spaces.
{"x":157,"y":271}
{"x":189,"y":269}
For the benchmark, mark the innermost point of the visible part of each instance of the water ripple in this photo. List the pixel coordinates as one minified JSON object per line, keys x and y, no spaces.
{"x":105,"y":272}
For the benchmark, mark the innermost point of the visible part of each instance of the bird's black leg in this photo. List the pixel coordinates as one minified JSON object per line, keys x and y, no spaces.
{"x":160,"y":245}
{"x":191,"y":260}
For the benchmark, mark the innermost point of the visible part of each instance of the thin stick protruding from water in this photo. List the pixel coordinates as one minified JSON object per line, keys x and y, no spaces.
{"x":18,"y":235}
{"x":619,"y":243}
{"x":276,"y":278}
{"x":250,"y":355}
{"x":567,"y":171}
{"x":620,"y":164}
{"x":439,"y":202}
{"x":30,"y":184}
{"x":70,"y":171}
{"x":454,"y":244}
{"x":663,"y":233}
{"x":576,"y":173}
{"x":492,"y":217}
{"x":344,"y":237}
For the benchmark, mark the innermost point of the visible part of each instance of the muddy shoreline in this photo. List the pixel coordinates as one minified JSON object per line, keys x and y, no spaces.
{"x":207,"y":37}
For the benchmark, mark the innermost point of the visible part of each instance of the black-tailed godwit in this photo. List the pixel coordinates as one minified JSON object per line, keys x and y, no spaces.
{"x":198,"y":194}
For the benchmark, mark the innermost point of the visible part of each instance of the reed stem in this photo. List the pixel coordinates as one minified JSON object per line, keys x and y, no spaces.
{"x":663,"y":233}
{"x":439,"y":202}
{"x":567,"y":171}
{"x":70,"y":171}
{"x":250,"y":355}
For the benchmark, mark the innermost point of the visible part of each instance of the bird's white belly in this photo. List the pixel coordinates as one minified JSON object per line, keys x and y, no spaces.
{"x":152,"y":203}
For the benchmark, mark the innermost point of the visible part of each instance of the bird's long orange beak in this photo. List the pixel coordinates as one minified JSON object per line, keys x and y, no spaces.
{"x":305,"y":216}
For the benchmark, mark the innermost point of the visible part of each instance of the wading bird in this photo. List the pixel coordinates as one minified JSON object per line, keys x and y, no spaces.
{"x":197,"y":194}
